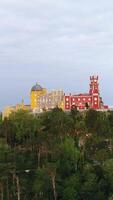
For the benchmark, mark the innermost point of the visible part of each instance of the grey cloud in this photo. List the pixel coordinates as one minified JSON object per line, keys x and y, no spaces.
{"x":55,"y":37}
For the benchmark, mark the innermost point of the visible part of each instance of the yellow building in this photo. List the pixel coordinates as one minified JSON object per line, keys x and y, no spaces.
{"x":61,"y":104}
{"x":36,"y":92}
{"x":9,"y":109}
{"x":39,"y":99}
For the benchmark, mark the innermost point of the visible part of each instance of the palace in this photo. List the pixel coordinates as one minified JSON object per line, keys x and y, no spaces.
{"x":42,"y":100}
{"x":86,"y":100}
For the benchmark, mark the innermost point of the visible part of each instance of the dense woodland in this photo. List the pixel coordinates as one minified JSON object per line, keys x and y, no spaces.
{"x":57,"y":156}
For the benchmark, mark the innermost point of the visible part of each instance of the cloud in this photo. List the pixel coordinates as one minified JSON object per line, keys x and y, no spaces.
{"x":55,"y":36}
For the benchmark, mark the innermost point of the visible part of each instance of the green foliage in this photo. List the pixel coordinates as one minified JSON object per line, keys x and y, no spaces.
{"x":41,"y":184}
{"x":111,"y":198}
{"x":69,"y":157}
{"x":108,"y":171}
{"x":92,"y":120}
{"x":57,"y":156}
{"x":71,"y":188}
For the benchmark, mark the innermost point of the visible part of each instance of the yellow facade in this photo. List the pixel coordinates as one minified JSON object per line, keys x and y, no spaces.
{"x":62,"y":105}
{"x":8,"y":110}
{"x":36,"y":92}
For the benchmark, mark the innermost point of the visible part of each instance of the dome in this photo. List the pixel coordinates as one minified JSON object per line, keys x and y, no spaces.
{"x":36,"y":87}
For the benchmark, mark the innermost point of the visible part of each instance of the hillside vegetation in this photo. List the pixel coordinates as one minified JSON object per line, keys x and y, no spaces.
{"x":57,"y":156}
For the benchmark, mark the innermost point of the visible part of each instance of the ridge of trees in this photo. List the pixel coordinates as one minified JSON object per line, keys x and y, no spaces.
{"x":57,"y":156}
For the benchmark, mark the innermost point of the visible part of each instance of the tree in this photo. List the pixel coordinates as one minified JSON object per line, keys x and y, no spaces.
{"x":111,"y":198}
{"x":108,"y":172}
{"x":56,"y":155}
{"x":89,"y":186}
{"x":41,"y":185}
{"x":91,"y":120}
{"x":69,"y":157}
{"x":71,"y":188}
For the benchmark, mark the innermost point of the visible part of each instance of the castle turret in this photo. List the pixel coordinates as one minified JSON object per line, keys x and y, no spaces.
{"x":94,"y":92}
{"x":36,"y":92}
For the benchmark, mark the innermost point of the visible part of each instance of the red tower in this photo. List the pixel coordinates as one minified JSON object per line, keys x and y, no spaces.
{"x":94,"y":92}
{"x":94,"y":85}
{"x":91,"y":99}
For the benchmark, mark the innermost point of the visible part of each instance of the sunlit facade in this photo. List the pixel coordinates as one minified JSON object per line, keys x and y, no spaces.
{"x":83,"y":101}
{"x":36,"y":92}
{"x":51,"y":100}
{"x":9,"y":109}
{"x":42,"y":100}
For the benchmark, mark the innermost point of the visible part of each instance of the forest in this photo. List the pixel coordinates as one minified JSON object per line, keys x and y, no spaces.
{"x":57,"y":155}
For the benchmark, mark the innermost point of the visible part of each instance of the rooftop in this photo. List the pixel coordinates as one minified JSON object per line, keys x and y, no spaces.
{"x":36,"y":87}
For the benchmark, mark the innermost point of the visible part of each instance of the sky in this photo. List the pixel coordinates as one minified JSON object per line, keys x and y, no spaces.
{"x":57,"y":43}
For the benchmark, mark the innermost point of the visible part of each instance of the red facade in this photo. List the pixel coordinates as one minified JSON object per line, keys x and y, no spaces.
{"x":87,"y":100}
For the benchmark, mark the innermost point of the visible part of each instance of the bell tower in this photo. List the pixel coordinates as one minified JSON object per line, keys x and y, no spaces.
{"x":94,"y":85}
{"x":94,"y":92}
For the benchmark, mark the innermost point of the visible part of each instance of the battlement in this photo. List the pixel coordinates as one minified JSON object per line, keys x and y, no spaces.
{"x":93,"y":78}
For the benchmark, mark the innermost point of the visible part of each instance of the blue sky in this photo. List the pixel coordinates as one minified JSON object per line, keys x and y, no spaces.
{"x":58,"y":43}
